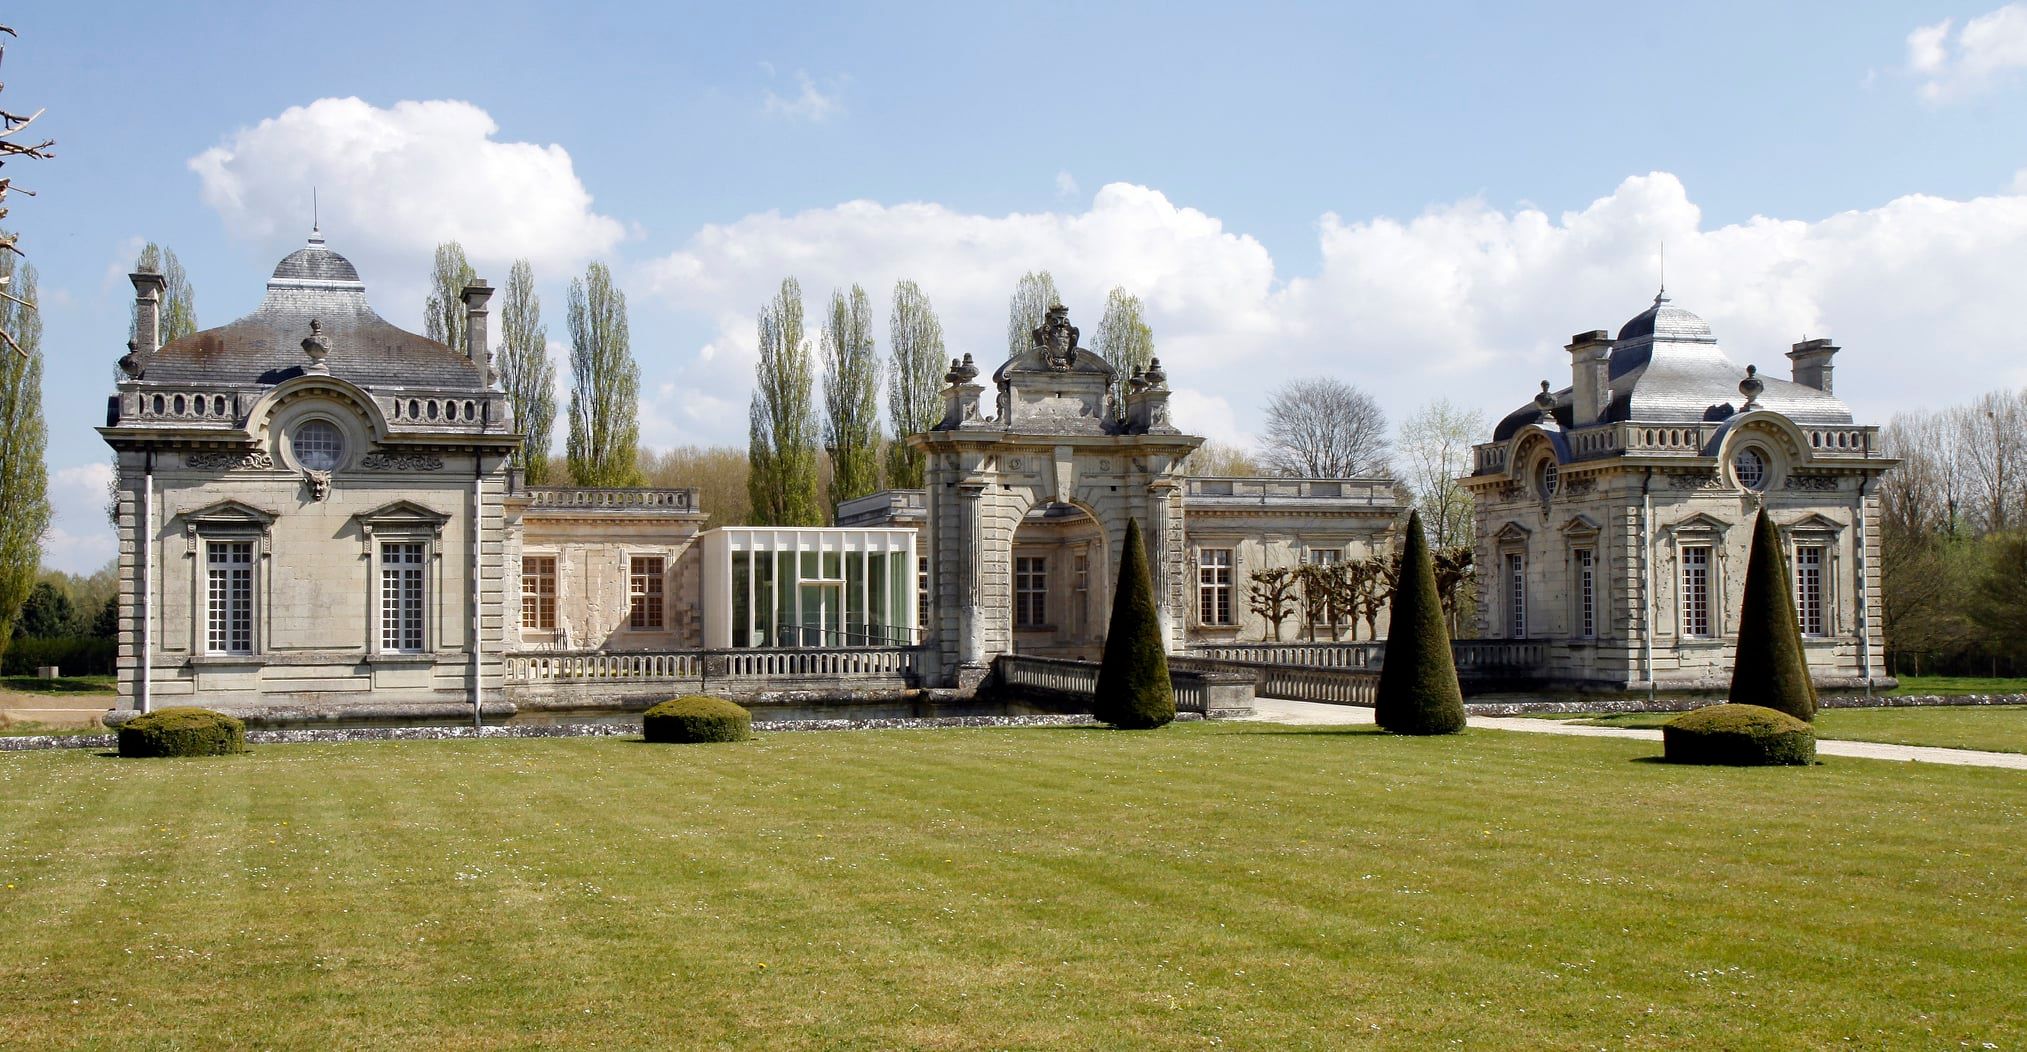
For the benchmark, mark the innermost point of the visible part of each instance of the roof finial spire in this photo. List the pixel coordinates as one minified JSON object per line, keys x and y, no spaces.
{"x":1662,"y":296}
{"x":316,"y":225}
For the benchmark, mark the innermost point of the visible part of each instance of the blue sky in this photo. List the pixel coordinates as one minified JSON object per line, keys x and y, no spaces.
{"x":1424,"y":200}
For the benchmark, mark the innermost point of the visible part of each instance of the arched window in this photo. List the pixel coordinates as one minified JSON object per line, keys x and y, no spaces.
{"x":318,"y":445}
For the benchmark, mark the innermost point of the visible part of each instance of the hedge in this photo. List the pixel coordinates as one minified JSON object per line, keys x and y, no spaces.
{"x":697,"y":718}
{"x":74,"y":655}
{"x":1418,"y":691}
{"x":1768,"y":668}
{"x":1738,"y":735}
{"x":182,"y":731}
{"x":1134,"y":691}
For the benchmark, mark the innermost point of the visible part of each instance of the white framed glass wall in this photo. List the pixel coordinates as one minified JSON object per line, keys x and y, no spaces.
{"x":815,"y":587}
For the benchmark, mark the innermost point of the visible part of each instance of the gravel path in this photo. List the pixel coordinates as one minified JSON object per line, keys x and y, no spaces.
{"x":1309,"y":713}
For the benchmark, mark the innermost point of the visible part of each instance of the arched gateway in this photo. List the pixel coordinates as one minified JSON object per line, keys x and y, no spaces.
{"x":1059,"y":440}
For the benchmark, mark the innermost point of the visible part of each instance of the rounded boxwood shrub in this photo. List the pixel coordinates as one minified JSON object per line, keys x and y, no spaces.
{"x":182,"y":731}
{"x":1738,"y":735}
{"x":697,"y":718}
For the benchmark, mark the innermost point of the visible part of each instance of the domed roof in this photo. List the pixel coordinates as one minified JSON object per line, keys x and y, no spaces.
{"x":1666,"y":367}
{"x":1665,"y":321}
{"x":314,"y":262}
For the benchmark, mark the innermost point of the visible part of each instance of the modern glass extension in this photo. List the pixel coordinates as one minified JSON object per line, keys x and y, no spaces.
{"x":840,"y":587}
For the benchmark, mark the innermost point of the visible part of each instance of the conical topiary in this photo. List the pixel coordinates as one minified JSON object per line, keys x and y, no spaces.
{"x":1133,"y":688}
{"x":1769,"y":669}
{"x":1418,"y":691}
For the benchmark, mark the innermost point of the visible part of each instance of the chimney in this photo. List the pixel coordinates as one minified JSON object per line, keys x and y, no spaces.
{"x":1811,"y":360}
{"x":476,"y":346}
{"x":1590,"y":376}
{"x":148,"y":288}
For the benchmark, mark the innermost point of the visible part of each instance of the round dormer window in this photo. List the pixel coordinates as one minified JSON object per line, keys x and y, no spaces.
{"x":1546,"y":478}
{"x":318,"y":445}
{"x":1750,"y":465}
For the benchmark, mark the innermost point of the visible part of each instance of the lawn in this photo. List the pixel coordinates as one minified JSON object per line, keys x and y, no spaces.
{"x":1996,"y":728}
{"x":1959,"y":685}
{"x":1248,"y":886}
{"x":61,"y":684}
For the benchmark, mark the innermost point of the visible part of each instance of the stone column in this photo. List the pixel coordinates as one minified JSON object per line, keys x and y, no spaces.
{"x":969,"y":570}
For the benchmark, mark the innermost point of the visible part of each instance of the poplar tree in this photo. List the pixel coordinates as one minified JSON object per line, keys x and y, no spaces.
{"x":914,"y":382}
{"x":783,"y":427}
{"x":604,"y":441}
{"x":1033,"y":295}
{"x":179,"y":298}
{"x":1124,"y":341}
{"x":851,"y":395}
{"x":24,"y":477}
{"x":526,"y":374}
{"x":443,"y":313}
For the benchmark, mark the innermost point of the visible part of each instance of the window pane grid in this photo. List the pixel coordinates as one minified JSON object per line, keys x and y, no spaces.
{"x":230,"y":590}
{"x":1587,"y":603}
{"x":1031,"y":591}
{"x":1696,"y":591}
{"x":1214,"y":586}
{"x":644,"y":591}
{"x":538,"y":592}
{"x":401,"y":597}
{"x":1809,"y":588}
{"x":1516,"y":596}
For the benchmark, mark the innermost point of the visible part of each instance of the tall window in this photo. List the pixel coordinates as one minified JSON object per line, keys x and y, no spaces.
{"x":644,"y":593}
{"x":1080,"y":590}
{"x":1696,"y":591}
{"x":922,"y":591}
{"x":401,"y":596}
{"x":538,"y":592}
{"x":229,"y":566}
{"x":1031,"y":591}
{"x":1587,"y":595}
{"x":1214,"y":586}
{"x":1809,"y":588}
{"x":1516,"y":596}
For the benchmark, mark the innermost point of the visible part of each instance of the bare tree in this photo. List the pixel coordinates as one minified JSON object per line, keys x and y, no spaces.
{"x":1033,"y":295}
{"x":1435,"y":450}
{"x":914,"y":382}
{"x":1273,"y":596}
{"x":12,"y":124}
{"x":1321,"y":427}
{"x":718,"y":473}
{"x":1216,"y":459}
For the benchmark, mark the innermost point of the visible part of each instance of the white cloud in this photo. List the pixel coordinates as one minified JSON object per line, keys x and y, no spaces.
{"x":1467,"y":301}
{"x":1984,"y":52}
{"x":809,"y":104}
{"x":1066,"y":184}
{"x":393,"y":182}
{"x":80,"y":539}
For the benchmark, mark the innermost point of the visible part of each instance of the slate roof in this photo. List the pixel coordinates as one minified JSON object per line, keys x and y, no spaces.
{"x":1666,"y":368}
{"x":266,"y":347}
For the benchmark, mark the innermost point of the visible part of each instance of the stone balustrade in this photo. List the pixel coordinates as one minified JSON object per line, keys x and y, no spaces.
{"x":1376,"y":493}
{"x":1364,"y":655}
{"x":428,"y":410}
{"x":615,"y":498}
{"x":184,"y":407}
{"x":1214,"y":693}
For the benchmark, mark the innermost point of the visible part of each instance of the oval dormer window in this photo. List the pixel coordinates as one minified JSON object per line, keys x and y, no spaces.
{"x":318,"y":445}
{"x":1546,"y":478}
{"x":1750,"y":465}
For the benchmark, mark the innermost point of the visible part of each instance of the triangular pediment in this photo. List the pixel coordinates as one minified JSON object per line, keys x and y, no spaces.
{"x":1814,"y":523}
{"x":229,"y":513}
{"x":1580,"y":524}
{"x":1512,"y":533}
{"x":1700,"y":522}
{"x":403,"y":513}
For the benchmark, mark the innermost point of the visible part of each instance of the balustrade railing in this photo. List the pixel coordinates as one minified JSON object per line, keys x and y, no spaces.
{"x":1315,"y":655}
{"x":611,"y":497}
{"x":186,"y":406}
{"x":558,"y":667}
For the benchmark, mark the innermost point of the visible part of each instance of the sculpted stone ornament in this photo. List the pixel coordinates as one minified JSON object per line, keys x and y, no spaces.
{"x":258,"y":459}
{"x":402,"y":462}
{"x":1057,"y":338}
{"x":319,"y":483}
{"x":130,"y":363}
{"x":316,"y":349}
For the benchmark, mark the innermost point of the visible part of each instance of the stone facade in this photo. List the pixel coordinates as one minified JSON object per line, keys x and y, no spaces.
{"x":1614,"y":516}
